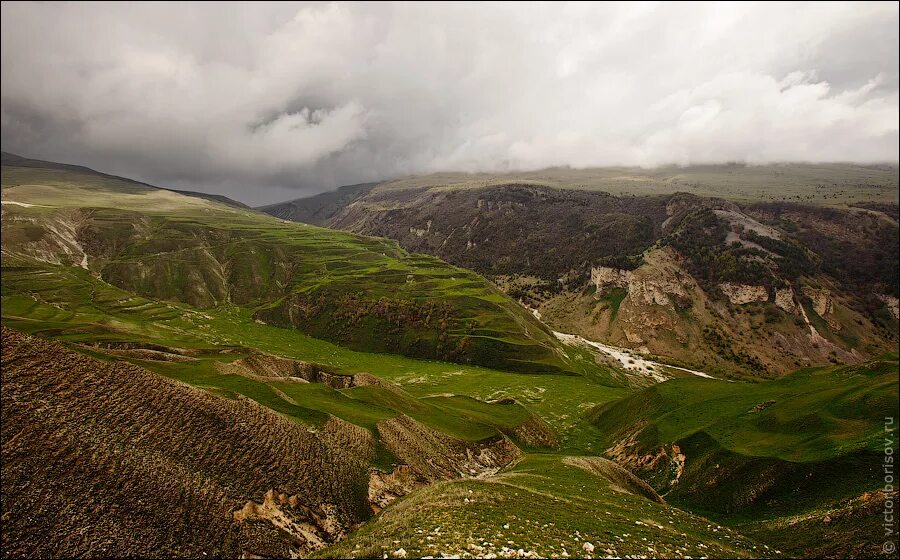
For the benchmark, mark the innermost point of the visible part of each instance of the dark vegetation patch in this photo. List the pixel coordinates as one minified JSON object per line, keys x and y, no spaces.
{"x":892,"y":210}
{"x":858,"y":249}
{"x":724,"y":348}
{"x":700,"y":238}
{"x":511,"y":229}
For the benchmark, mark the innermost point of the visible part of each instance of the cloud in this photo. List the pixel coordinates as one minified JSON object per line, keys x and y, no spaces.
{"x":271,"y":101}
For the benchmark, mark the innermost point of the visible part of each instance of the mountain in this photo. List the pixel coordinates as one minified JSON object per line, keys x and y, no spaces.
{"x":189,"y":378}
{"x":318,"y":209}
{"x":12,"y":160}
{"x":754,"y":287}
{"x":366,"y":293}
{"x":814,"y":183}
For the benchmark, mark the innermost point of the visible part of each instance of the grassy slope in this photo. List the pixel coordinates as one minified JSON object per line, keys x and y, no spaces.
{"x":14,"y":160}
{"x":763,"y":457}
{"x":544,"y":506}
{"x":69,"y":304}
{"x":330,"y":284}
{"x":813,"y":414}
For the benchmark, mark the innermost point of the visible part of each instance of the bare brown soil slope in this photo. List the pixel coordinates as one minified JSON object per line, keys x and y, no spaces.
{"x":107,"y":459}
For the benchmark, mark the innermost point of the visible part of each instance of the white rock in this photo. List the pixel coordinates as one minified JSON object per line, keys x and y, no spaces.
{"x":588,"y":547}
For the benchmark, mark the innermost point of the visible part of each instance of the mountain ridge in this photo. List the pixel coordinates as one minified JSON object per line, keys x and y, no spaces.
{"x":817,"y":283}
{"x":338,"y":339}
{"x":19,"y":161}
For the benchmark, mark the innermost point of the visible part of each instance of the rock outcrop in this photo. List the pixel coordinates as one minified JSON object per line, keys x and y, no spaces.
{"x":892,"y":304}
{"x":822,"y":304}
{"x":265,"y":367}
{"x":385,"y":487}
{"x":656,"y":282}
{"x":740,"y":294}
{"x":784,"y":299}
{"x":433,"y":455}
{"x":821,"y":300}
{"x":604,"y":278}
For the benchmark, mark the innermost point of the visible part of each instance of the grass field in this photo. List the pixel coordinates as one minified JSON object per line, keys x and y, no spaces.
{"x":772,"y":459}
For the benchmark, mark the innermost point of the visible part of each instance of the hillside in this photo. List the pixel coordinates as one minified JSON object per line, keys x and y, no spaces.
{"x":588,"y":508}
{"x":758,"y":288}
{"x":317,"y":209}
{"x":513,"y":229}
{"x":215,"y":335}
{"x":112,"y":460}
{"x":85,"y":174}
{"x":332,"y":285}
{"x":804,"y":451}
{"x":816,"y":183}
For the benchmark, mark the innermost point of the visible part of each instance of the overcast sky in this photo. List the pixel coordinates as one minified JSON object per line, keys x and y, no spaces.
{"x":266,"y":102}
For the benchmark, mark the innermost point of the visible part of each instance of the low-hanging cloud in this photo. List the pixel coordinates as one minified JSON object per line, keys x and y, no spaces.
{"x":271,"y":101}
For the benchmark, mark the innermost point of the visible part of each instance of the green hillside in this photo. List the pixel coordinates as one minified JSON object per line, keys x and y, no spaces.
{"x":766,"y":456}
{"x":547,"y":507}
{"x":362,"y":292}
{"x":424,"y":365}
{"x":810,"y":415}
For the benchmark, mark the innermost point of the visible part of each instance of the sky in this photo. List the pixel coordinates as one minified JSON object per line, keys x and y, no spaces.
{"x":269,"y":102}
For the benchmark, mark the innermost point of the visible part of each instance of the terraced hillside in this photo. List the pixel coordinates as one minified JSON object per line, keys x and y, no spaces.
{"x":337,"y":286}
{"x":797,"y":462}
{"x":197,"y":338}
{"x":70,"y":304}
{"x":108,"y":459}
{"x":749,"y":289}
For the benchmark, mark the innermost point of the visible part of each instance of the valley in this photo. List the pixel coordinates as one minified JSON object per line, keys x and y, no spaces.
{"x":661,"y":374}
{"x":449,"y":280}
{"x":732,"y":287}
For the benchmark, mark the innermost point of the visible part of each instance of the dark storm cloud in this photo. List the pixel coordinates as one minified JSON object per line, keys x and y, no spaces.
{"x":273,"y":101}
